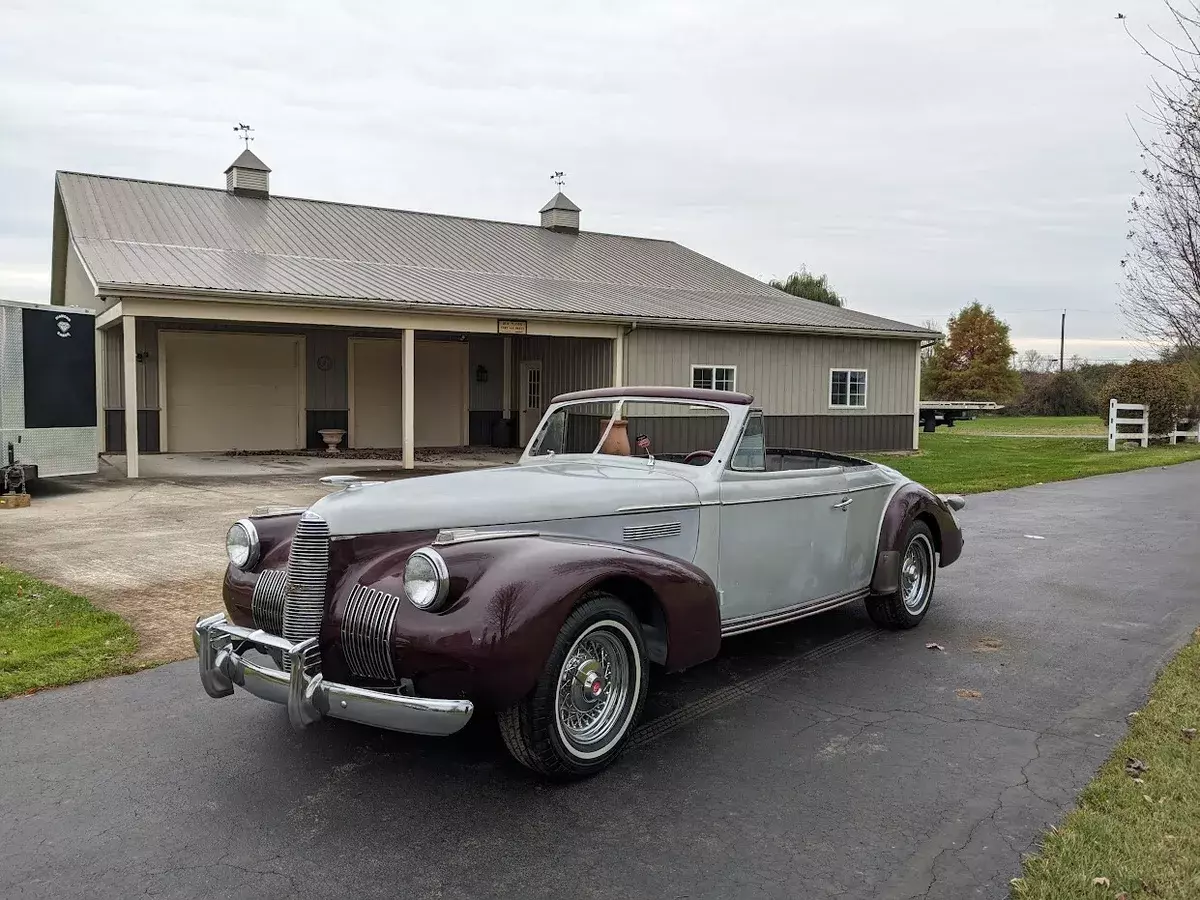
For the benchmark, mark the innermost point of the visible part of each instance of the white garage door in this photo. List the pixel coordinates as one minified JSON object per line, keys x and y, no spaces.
{"x":439,"y":388}
{"x":375,"y":380}
{"x":233,"y":391}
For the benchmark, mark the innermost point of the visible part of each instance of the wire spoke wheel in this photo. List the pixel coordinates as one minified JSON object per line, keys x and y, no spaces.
{"x":595,"y":684}
{"x":580,"y":714}
{"x":916,"y":573}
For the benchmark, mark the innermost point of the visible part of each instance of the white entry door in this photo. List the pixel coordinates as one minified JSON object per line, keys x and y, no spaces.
{"x":531,"y":398}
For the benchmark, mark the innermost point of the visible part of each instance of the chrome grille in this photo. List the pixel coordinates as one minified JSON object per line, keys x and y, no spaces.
{"x":267,"y":603}
{"x":652,"y":532}
{"x":307,"y":575}
{"x":366,"y":632}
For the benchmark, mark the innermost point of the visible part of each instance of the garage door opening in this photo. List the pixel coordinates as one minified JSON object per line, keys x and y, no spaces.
{"x":224,"y":391}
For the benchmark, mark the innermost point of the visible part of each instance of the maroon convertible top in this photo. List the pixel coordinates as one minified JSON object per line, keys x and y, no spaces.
{"x":698,"y":395}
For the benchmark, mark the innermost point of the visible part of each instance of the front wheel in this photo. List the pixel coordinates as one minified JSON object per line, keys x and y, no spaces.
{"x":906,"y":607}
{"x":581,"y":713}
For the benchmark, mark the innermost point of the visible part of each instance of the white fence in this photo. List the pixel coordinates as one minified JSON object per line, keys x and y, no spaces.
{"x":1142,"y":436}
{"x":1115,"y":420}
{"x":1193,"y":434}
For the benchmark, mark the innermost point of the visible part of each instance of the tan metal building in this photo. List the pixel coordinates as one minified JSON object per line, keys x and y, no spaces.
{"x":235,"y":319}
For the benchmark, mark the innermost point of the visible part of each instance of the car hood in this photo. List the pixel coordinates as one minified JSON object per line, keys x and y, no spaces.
{"x":513,"y":495}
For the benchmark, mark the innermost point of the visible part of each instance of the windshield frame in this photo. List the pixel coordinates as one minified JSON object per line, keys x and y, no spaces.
{"x":733,"y":424}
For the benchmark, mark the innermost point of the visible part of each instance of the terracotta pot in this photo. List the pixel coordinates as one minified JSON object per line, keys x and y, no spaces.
{"x":617,"y":442}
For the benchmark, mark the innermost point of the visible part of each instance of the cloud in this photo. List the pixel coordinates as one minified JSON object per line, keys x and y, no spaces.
{"x":923,"y":155}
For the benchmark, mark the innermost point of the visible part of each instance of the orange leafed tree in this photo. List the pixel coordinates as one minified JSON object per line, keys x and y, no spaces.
{"x":974,"y":362}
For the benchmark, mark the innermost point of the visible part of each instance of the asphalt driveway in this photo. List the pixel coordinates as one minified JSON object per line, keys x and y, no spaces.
{"x":821,"y":759}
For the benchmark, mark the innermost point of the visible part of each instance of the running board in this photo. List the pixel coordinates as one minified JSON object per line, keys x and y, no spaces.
{"x":790,"y":614}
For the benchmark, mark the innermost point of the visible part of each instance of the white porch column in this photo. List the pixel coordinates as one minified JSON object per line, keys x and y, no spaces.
{"x":101,"y":356}
{"x":618,"y":358}
{"x":407,"y":431}
{"x":129,"y":367}
{"x":506,"y":403}
{"x":917,"y":403}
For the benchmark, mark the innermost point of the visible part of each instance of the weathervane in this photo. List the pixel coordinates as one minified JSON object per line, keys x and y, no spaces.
{"x":245,"y":133}
{"x":558,"y":178}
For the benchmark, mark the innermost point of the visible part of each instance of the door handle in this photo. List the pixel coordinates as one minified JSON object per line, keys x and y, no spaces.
{"x":844,"y":504}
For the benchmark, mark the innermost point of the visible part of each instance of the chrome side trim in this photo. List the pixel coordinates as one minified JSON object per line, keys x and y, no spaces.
{"x":367,"y":631}
{"x":660,"y":507}
{"x":268,"y":512}
{"x":857,"y":490}
{"x":266,"y":605}
{"x":310,"y":697}
{"x":744,"y":624}
{"x":449,"y":536}
{"x":652,"y":532}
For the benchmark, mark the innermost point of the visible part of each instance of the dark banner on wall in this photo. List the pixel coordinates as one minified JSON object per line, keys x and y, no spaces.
{"x":60,"y":368}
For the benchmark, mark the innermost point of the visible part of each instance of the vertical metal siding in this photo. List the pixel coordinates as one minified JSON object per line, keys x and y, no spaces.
{"x":788,"y":374}
{"x":577,"y":364}
{"x":147,"y":368}
{"x":486,"y":350}
{"x":326,"y":389}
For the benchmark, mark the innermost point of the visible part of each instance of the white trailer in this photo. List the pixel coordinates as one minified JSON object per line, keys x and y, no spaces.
{"x":47,"y":391}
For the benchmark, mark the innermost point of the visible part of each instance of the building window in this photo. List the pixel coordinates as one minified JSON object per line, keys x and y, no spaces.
{"x":715,"y":378}
{"x":848,"y":388}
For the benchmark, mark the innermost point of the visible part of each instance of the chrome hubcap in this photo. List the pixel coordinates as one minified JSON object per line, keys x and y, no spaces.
{"x":593,"y":688}
{"x":916,"y":574}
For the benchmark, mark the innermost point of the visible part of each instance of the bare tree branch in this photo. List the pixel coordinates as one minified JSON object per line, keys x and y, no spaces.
{"x":1161,"y":294}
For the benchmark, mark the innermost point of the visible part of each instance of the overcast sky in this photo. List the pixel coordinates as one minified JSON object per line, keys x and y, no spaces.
{"x":922,"y":153}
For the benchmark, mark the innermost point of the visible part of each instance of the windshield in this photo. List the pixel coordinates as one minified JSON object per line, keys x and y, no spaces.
{"x":677,"y":431}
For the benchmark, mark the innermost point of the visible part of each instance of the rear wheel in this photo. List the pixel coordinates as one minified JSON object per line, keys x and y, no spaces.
{"x":906,"y":607}
{"x":581,"y":713}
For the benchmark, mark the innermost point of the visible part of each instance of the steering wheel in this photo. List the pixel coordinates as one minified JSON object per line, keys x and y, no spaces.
{"x":698,"y":458}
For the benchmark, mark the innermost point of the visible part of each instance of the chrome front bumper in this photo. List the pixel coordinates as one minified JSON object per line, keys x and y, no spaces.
{"x":220,"y":645}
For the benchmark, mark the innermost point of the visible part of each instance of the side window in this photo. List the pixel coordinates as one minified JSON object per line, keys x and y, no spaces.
{"x":715,"y":378}
{"x":848,"y":388}
{"x":750,"y":454}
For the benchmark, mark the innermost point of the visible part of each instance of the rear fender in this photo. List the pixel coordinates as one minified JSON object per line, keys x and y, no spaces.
{"x":909,"y":503}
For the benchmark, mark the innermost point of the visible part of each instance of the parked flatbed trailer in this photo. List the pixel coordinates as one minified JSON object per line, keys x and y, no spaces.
{"x":945,"y":412}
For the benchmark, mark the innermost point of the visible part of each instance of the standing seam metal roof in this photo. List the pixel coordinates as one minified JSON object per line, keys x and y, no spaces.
{"x":157,"y":236}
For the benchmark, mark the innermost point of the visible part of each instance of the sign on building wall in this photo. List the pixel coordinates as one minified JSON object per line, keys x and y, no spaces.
{"x":511,"y":326}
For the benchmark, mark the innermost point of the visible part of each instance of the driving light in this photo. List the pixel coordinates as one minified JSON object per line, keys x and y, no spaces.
{"x":426,"y":579}
{"x":241,"y":543}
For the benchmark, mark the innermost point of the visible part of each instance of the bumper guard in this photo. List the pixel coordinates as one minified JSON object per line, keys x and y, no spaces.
{"x":220,"y":645}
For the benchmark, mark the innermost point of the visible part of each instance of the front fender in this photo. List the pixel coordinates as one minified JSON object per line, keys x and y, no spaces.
{"x":509,"y":598}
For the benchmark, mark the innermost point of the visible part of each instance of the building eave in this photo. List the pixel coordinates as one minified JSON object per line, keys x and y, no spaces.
{"x":222,"y":296}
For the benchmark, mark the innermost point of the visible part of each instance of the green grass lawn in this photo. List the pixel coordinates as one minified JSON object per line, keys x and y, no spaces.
{"x":49,"y":637}
{"x":956,"y":462}
{"x":1032,"y":425}
{"x":1141,"y":840}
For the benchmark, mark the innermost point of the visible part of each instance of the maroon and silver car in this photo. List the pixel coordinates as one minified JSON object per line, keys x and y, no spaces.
{"x":640,"y":528}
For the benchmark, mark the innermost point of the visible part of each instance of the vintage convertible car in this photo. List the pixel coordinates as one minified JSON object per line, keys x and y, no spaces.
{"x":641,"y":525}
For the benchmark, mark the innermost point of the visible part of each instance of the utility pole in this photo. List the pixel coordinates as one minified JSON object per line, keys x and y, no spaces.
{"x":1062,"y":342}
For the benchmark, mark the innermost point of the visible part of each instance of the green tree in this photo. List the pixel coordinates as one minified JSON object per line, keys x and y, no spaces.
{"x":809,"y":286}
{"x":1167,"y":389}
{"x":974,"y":362}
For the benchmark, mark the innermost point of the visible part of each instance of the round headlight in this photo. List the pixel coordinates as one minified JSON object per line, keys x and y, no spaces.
{"x":426,"y":579}
{"x":241,"y":543}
